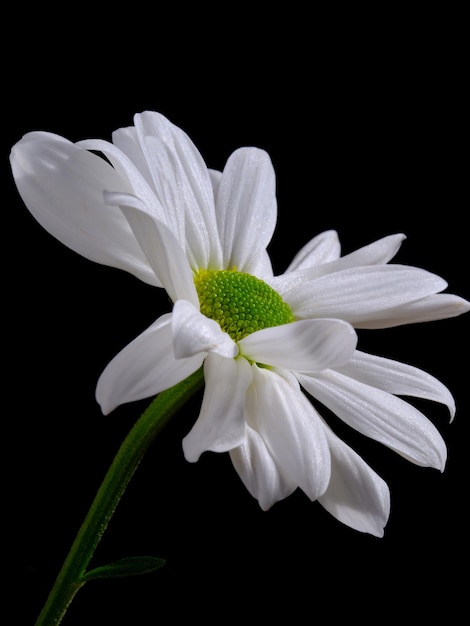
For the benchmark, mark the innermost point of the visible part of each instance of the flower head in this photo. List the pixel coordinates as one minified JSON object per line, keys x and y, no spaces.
{"x":153,"y":208}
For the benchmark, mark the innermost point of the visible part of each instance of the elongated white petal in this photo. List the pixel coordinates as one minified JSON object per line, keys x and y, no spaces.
{"x":361,"y":294}
{"x":195,"y":333}
{"x":62,"y":185}
{"x":292,"y":430}
{"x":356,"y":495}
{"x":127,"y":170}
{"x":379,"y":415}
{"x":323,"y":248}
{"x":379,"y":252}
{"x":221,"y":422}
{"x":259,"y":471}
{"x":246,"y":208}
{"x":144,"y":367}
{"x":303,"y":346}
{"x":435,"y":307}
{"x":127,"y":141}
{"x":161,"y":248}
{"x":182,"y":184}
{"x":397,"y":378}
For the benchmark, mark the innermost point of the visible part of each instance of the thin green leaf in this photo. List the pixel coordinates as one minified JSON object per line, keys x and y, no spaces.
{"x":130,"y":566}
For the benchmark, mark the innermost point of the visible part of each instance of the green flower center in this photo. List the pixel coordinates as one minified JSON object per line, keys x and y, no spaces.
{"x":240,"y":303}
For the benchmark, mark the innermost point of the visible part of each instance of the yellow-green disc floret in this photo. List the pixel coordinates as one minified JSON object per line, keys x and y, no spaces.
{"x":240,"y":303}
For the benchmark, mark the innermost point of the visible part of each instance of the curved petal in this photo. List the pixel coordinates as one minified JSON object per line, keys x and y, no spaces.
{"x":195,"y":333}
{"x":127,"y":141}
{"x":435,"y":307}
{"x":127,"y":170}
{"x":356,"y":495}
{"x":379,"y":415}
{"x":292,"y":430}
{"x":259,"y":471}
{"x":144,"y":367}
{"x":221,"y":422}
{"x":322,"y":249}
{"x":303,"y":346}
{"x":62,"y":185}
{"x":182,"y":183}
{"x":397,"y":378}
{"x":361,"y":294}
{"x":163,"y":252}
{"x":379,"y":252}
{"x":246,"y":208}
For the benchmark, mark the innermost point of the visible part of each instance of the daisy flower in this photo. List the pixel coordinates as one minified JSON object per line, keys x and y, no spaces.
{"x":152,"y":207}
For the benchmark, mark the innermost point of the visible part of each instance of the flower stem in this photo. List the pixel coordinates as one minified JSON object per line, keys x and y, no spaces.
{"x":73,"y":573}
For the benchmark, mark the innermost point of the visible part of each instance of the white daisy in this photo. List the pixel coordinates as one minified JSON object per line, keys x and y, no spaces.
{"x":154,"y":209}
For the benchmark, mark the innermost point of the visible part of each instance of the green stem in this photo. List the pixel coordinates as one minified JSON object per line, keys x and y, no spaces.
{"x":72,"y":575}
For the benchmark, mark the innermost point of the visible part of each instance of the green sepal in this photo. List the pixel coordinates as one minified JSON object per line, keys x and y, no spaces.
{"x":130,"y":566}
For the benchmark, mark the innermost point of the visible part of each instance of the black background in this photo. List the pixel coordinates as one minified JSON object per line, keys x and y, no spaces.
{"x":366,"y":125}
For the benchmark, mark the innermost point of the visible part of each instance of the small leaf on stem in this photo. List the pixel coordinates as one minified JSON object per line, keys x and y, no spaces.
{"x":130,"y":566}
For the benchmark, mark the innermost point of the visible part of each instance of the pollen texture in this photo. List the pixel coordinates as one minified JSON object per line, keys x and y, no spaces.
{"x":240,"y":303}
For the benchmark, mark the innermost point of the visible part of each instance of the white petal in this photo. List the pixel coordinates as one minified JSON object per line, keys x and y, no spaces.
{"x":259,"y":471}
{"x":128,"y":171}
{"x":144,"y":368}
{"x":303,"y":346}
{"x":356,"y":495}
{"x":434,"y":307}
{"x":323,"y":248}
{"x":397,"y":378}
{"x":163,"y":252}
{"x":195,"y":333}
{"x":262,"y":267}
{"x":182,"y":184}
{"x":381,"y":416}
{"x":62,"y":185}
{"x":360,"y":294}
{"x":246,"y":208}
{"x":127,"y":141}
{"x":215,"y":177}
{"x":221,"y":422}
{"x":377,"y":253}
{"x":292,"y":430}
